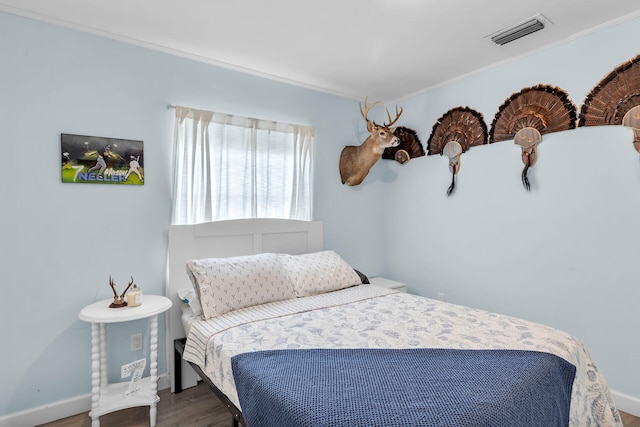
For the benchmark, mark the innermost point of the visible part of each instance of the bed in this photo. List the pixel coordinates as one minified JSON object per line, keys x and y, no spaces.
{"x":327,"y":348}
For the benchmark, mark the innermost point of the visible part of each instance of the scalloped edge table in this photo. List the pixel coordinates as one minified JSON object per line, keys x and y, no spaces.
{"x":105,"y":397}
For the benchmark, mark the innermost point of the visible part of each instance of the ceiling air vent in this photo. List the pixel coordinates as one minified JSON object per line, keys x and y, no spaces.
{"x":522,"y":29}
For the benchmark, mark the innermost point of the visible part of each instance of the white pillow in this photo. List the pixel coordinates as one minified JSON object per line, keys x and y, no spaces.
{"x":225,"y":284}
{"x":318,"y":272}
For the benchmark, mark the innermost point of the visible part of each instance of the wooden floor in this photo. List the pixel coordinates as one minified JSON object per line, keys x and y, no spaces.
{"x":194,"y":407}
{"x":629,"y":420}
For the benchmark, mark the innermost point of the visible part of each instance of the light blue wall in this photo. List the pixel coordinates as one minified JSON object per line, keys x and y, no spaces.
{"x":60,"y":242}
{"x":565,"y":254}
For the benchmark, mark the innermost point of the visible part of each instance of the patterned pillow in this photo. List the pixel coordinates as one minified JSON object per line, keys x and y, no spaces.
{"x":226,"y":284}
{"x":319,"y":272}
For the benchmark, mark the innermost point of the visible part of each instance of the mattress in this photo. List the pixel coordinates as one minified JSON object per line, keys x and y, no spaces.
{"x":368,"y":316}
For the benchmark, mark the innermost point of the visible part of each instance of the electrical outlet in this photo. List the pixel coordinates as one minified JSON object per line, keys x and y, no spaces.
{"x":136,"y":342}
{"x":440,"y":296}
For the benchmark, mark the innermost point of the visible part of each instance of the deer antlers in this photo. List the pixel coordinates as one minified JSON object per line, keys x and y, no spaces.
{"x":367,"y":108}
{"x":365,"y":113}
{"x":398,"y":114}
{"x":113,"y":287}
{"x":118,"y":301}
{"x":128,"y":286}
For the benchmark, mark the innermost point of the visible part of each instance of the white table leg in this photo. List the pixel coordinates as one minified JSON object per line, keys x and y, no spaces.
{"x":95,"y":373}
{"x":153,"y":368}
{"x":103,"y":356}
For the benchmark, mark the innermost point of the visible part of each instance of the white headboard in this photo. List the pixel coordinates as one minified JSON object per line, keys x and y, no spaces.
{"x":224,"y":239}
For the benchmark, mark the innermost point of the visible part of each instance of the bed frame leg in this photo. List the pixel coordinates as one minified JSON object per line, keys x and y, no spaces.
{"x":178,"y":348}
{"x":177,"y":365}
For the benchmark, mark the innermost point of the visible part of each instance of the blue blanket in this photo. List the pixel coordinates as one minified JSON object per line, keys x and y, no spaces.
{"x":403,"y":387}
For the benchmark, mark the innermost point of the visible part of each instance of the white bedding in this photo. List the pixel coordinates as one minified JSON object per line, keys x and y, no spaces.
{"x":188,"y":318}
{"x":372,"y":317}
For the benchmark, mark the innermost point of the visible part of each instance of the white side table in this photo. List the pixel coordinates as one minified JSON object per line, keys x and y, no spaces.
{"x":388,"y":283}
{"x":107,"y":397}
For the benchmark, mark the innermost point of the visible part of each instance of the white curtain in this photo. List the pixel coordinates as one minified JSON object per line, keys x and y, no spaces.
{"x":228,"y":167}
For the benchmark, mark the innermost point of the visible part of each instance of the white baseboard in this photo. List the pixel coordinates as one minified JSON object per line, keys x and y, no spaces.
{"x":47,"y":413}
{"x":58,"y":410}
{"x":626,"y":403}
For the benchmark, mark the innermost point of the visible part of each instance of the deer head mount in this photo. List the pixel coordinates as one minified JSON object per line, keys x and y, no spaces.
{"x":118,"y":300}
{"x":356,"y":161}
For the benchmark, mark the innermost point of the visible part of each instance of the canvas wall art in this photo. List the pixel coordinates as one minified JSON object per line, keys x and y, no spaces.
{"x":99,"y":160}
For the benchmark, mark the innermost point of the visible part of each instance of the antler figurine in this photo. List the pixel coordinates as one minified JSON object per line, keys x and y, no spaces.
{"x":118,"y":301}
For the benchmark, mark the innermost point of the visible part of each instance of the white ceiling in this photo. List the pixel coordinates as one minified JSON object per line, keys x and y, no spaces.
{"x":384,"y":49}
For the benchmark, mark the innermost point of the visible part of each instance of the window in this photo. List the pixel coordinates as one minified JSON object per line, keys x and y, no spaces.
{"x":228,"y":167}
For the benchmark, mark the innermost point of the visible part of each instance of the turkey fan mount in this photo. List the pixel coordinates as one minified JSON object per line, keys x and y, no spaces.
{"x":528,"y":114}
{"x":453,"y":134}
{"x":613,"y":97}
{"x":616,"y":100}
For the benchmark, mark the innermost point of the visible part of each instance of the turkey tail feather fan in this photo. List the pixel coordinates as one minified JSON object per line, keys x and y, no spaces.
{"x":461,"y":124}
{"x":409,"y":145}
{"x":454,"y":133}
{"x":545,"y":108}
{"x":616,"y":94}
{"x":528,"y":114}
